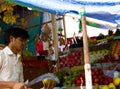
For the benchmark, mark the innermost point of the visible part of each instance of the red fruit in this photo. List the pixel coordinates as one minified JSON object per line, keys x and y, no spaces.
{"x":79,"y":75}
{"x":100,"y":77}
{"x":93,"y":73}
{"x":78,"y":82}
{"x":74,"y":81}
{"x":106,"y":82}
{"x":83,"y":74}
{"x":79,"y":61}
{"x":109,"y":79}
{"x":94,"y":76}
{"x":96,"y":80}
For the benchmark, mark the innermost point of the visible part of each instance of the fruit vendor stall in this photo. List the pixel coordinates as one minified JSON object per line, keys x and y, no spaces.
{"x":79,"y":73}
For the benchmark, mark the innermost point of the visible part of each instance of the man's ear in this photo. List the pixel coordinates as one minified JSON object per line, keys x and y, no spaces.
{"x":12,"y":38}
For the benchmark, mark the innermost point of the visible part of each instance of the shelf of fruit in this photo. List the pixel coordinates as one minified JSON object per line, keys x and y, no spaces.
{"x":76,"y":78}
{"x":103,"y":62}
{"x":71,"y":59}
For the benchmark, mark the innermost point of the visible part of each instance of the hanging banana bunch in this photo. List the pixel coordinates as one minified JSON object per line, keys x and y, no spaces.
{"x":9,"y":18}
{"x":13,"y":19}
{"x":23,"y":22}
{"x":4,"y":7}
{"x":7,"y":6}
{"x":17,"y":15}
{"x":36,"y":13}
{"x":0,"y":29}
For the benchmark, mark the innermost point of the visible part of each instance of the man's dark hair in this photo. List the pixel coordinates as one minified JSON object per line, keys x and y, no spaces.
{"x":15,"y":32}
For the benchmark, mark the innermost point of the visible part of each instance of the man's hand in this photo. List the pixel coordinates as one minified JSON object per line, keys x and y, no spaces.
{"x":51,"y":85}
{"x":19,"y":86}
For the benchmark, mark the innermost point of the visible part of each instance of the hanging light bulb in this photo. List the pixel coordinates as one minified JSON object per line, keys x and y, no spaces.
{"x":29,"y":8}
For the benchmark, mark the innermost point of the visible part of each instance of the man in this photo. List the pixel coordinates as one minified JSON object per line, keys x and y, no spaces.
{"x":11,"y":68}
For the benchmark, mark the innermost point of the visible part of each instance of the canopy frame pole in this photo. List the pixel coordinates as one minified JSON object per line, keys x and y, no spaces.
{"x":96,"y":21}
{"x":55,"y":38}
{"x":41,"y":24}
{"x":64,"y":30}
{"x":87,"y":66}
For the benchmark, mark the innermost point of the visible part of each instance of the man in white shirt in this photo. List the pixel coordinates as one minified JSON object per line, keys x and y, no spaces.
{"x":11,"y":68}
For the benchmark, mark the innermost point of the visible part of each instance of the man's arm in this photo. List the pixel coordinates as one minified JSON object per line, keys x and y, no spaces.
{"x":13,"y":85}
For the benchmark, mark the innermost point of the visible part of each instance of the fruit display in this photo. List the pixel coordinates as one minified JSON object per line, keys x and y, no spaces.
{"x":72,"y":59}
{"x":115,"y":50}
{"x":97,"y":78}
{"x":102,"y":69}
{"x":71,"y":75}
{"x":113,"y":85}
{"x":95,"y":56}
{"x":76,"y":79}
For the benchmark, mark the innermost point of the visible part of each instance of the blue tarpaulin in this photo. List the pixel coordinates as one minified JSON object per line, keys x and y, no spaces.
{"x":107,"y":10}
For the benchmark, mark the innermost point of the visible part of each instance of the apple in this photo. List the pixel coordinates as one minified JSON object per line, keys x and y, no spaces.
{"x":78,"y":82}
{"x":106,"y":82}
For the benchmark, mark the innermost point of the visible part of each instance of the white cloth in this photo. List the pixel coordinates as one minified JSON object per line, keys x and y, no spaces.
{"x":11,"y":68}
{"x":45,"y":45}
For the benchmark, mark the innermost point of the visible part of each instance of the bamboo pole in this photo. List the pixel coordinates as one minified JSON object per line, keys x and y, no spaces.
{"x":87,"y":66}
{"x":64,"y":30}
{"x":55,"y":37}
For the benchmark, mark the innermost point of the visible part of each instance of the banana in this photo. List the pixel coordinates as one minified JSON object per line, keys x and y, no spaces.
{"x":76,"y":68}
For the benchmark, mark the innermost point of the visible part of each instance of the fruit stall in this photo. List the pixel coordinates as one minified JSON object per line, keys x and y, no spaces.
{"x":104,"y":58}
{"x":105,"y":65}
{"x":94,"y":65}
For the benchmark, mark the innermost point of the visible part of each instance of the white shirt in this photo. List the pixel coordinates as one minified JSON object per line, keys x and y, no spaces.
{"x":11,"y":68}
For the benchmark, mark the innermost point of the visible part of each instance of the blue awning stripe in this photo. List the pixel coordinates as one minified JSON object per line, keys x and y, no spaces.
{"x":96,"y":3}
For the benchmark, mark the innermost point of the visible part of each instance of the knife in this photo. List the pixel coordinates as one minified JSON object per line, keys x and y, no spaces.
{"x":41,"y":77}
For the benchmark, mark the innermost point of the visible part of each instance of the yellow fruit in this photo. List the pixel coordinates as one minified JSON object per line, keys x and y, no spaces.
{"x":96,"y":86}
{"x":116,"y":81}
{"x":48,"y":81}
{"x":105,"y":87}
{"x":111,"y":86}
